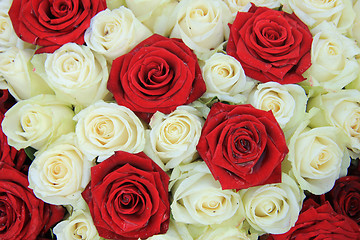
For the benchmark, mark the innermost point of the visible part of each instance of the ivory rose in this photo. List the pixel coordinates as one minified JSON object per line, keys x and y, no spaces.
{"x":113,"y":33}
{"x":103,"y":128}
{"x":18,"y":76}
{"x":243,"y":5}
{"x":340,"y":109}
{"x":337,"y":12}
{"x":201,"y":24}
{"x":273,"y":208}
{"x":333,"y":59}
{"x":225,"y":78}
{"x":199,"y":199}
{"x":317,"y":157}
{"x":172,"y":138}
{"x":37,"y":121}
{"x":75,"y":73}
{"x":287,"y":102}
{"x":79,"y":225}
{"x":59,"y":173}
{"x":8,"y":37}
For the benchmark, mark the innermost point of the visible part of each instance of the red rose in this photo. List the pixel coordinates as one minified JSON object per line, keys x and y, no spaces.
{"x":6,"y":101}
{"x":10,"y":155}
{"x":321,"y":222}
{"x":22,"y":215}
{"x":242,"y":146}
{"x":52,"y":23}
{"x":159,"y":74}
{"x":345,"y":197}
{"x":128,"y":197}
{"x":270,"y":45}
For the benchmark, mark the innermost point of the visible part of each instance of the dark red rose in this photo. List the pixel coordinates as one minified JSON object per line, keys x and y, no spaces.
{"x":52,"y":23}
{"x":242,"y":146}
{"x":6,"y":101}
{"x":159,"y":74}
{"x":270,"y":45}
{"x":128,"y":197}
{"x":345,"y":197}
{"x":321,"y":222}
{"x":10,"y":155}
{"x":22,"y":215}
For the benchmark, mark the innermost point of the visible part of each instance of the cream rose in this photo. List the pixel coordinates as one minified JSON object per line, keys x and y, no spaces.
{"x":154,"y":14}
{"x":228,"y":233}
{"x":244,"y":5}
{"x":172,"y":138}
{"x":37,"y":121}
{"x":225,"y":78}
{"x":59,"y":173}
{"x":317,"y":157}
{"x":273,"y":208}
{"x":312,"y":12}
{"x":8,"y":37}
{"x":199,"y":199}
{"x":103,"y":128}
{"x":114,"y":33}
{"x":287,"y":102}
{"x":340,"y":109}
{"x":201,"y":24}
{"x":79,"y":225}
{"x":75,"y":73}
{"x":16,"y":70}
{"x":176,"y":231}
{"x":333,"y":59}
{"x":356,"y":26}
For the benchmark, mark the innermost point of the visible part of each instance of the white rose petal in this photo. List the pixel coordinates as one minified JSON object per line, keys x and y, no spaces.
{"x":103,"y":128}
{"x":37,"y":121}
{"x":114,"y":33}
{"x":333,"y":59}
{"x":312,"y":12}
{"x":201,"y":24}
{"x":176,"y":231}
{"x":273,"y":208}
{"x":199,"y":199}
{"x":75,"y":73}
{"x":226,"y":79}
{"x":317,"y":157}
{"x":8,"y":37}
{"x":236,"y":6}
{"x":173,"y":138}
{"x":59,"y":173}
{"x":287,"y":102}
{"x":79,"y":225}
{"x":340,"y":109}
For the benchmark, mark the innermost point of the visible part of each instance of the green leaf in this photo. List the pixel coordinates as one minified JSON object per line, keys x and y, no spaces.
{"x":30,"y":152}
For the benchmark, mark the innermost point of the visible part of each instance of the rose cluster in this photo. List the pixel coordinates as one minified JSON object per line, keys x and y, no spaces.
{"x":203,"y":119}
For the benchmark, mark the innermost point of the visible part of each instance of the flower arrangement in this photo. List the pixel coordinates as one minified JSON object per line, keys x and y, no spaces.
{"x":179,"y":119}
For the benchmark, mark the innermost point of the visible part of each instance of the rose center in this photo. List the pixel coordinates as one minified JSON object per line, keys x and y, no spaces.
{"x":80,"y":231}
{"x":60,"y":8}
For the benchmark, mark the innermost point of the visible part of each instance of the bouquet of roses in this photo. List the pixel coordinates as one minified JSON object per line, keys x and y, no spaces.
{"x":179,"y":119}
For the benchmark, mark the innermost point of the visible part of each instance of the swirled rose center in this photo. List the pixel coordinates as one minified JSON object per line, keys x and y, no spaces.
{"x":80,"y":230}
{"x":60,"y":8}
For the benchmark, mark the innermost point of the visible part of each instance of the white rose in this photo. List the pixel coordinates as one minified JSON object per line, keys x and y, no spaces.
{"x":199,"y":199}
{"x":317,"y":157}
{"x":312,"y":12}
{"x":273,"y":208}
{"x":333,"y":59}
{"x":79,"y":225}
{"x":75,"y":73}
{"x":103,"y":128}
{"x":176,"y":231}
{"x":154,"y":14}
{"x":340,"y":109}
{"x":114,"y":33}
{"x":8,"y":37}
{"x":173,"y":138}
{"x":225,"y":78}
{"x":201,"y":24}
{"x":226,"y":233}
{"x":236,"y":6}
{"x":287,"y":102}
{"x":59,"y":173}
{"x":16,"y":70}
{"x":356,"y":26}
{"x":37,"y":121}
